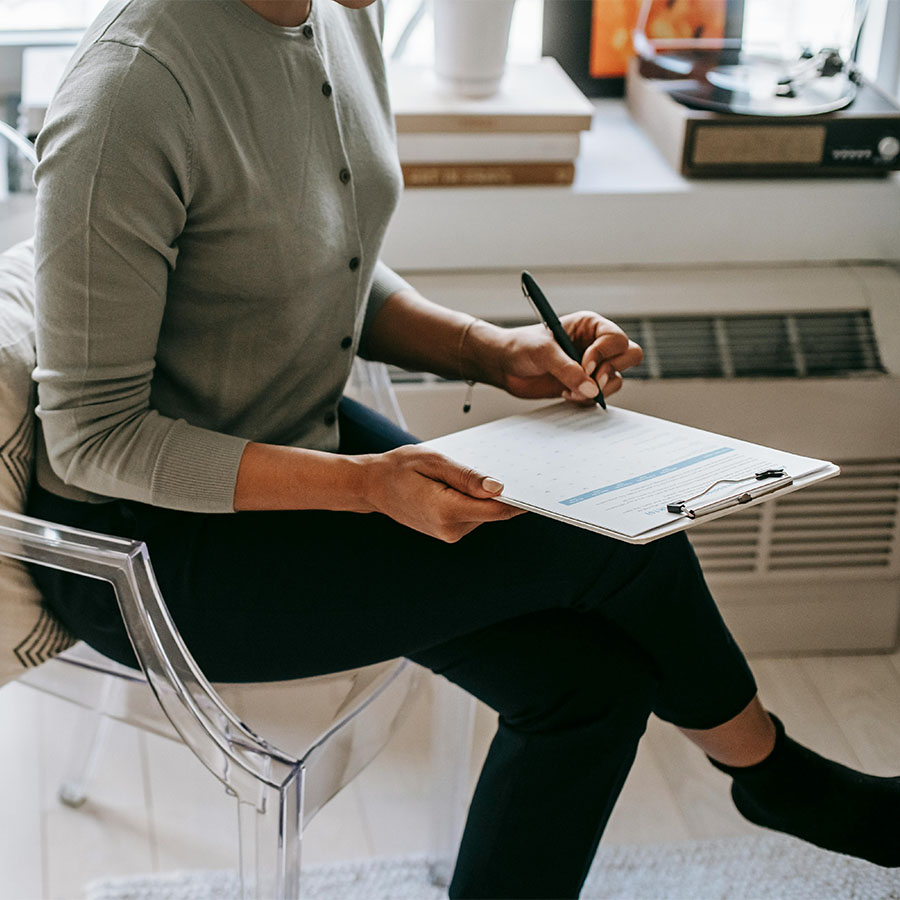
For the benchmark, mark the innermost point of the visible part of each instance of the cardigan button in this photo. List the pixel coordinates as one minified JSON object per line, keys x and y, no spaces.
{"x":307,"y":31}
{"x":326,"y":89}
{"x":347,"y":342}
{"x":354,"y":264}
{"x":344,"y":176}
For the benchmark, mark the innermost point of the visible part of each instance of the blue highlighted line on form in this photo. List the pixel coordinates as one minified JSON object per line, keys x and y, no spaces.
{"x":647,"y":476}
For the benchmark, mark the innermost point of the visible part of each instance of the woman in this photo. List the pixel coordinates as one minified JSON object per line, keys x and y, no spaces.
{"x":214,"y":187}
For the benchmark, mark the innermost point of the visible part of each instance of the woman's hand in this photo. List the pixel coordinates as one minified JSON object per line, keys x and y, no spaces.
{"x":413,"y":485}
{"x":527,"y":361}
{"x":430,"y":493}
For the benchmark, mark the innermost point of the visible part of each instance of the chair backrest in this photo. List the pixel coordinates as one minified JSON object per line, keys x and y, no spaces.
{"x":29,"y":634}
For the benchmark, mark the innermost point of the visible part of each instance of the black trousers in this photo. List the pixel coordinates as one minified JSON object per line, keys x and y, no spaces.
{"x":573,"y":638}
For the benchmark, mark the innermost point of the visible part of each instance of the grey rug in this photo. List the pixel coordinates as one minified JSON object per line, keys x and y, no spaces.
{"x":767,"y":867}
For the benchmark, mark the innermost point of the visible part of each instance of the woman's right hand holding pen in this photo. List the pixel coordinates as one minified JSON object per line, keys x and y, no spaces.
{"x":528,"y":362}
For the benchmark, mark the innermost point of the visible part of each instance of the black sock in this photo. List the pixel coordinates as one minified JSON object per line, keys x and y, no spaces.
{"x":799,"y":792}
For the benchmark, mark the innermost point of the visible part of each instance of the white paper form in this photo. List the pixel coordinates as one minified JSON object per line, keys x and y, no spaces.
{"x":613,"y":471}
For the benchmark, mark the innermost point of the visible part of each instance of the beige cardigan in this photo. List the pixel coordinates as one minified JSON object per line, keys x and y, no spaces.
{"x":213,"y":193}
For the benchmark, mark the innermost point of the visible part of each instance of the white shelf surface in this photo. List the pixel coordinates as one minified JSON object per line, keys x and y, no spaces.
{"x":629,"y":208}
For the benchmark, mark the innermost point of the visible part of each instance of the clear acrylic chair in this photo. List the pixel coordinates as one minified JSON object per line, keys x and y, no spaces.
{"x":331,"y":728}
{"x":277,"y":792}
{"x":279,"y":782}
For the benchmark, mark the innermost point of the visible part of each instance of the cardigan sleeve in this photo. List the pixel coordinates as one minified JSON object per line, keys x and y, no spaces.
{"x":113,"y":186}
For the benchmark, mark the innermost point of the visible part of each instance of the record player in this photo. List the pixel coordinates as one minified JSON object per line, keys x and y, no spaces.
{"x":719,"y":107}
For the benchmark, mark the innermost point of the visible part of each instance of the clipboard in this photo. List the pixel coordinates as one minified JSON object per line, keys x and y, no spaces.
{"x":628,"y":476}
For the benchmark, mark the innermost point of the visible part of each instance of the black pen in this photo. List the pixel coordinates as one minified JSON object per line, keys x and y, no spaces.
{"x":531,"y":290}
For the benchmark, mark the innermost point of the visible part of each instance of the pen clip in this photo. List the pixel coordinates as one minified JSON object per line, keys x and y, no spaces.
{"x":534,"y":305}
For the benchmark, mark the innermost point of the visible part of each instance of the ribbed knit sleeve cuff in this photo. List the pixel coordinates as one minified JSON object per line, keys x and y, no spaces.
{"x":197,"y":470}
{"x":385,"y":283}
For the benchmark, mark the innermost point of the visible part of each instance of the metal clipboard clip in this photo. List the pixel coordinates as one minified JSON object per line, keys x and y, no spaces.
{"x":774,"y":479}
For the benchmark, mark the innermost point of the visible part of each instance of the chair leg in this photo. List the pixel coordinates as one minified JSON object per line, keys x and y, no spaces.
{"x":453,"y":722}
{"x":73,"y":790}
{"x":270,"y":835}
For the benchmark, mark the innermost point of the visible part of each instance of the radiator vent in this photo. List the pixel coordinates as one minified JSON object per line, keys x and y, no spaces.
{"x":850,"y":521}
{"x":731,"y":544}
{"x":797,"y":345}
{"x":847,"y":523}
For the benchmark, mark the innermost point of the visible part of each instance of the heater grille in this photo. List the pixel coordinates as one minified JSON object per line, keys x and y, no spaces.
{"x":796,"y":345}
{"x":846,"y":523}
{"x":731,"y":544}
{"x":850,"y":521}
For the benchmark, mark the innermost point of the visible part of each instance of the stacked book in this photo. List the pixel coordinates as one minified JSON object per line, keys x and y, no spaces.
{"x":527,"y":133}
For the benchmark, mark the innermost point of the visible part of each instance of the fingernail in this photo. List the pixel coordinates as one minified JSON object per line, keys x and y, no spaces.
{"x":601,"y":381}
{"x":491,"y":485}
{"x":588,"y":389}
{"x":591,"y":367}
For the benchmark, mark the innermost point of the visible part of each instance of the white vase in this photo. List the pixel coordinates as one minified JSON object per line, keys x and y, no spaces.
{"x":470,"y":41}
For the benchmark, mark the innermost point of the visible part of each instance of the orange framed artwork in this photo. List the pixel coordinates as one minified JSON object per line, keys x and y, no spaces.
{"x":592,"y":39}
{"x":613,"y":21}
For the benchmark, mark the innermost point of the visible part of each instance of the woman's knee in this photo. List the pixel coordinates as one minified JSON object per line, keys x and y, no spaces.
{"x":556,"y":671}
{"x":612,"y":688}
{"x":643,"y":578}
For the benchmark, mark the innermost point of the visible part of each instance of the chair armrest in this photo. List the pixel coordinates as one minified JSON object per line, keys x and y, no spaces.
{"x":233,"y":753}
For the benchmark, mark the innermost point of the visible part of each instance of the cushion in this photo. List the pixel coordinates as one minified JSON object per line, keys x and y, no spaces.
{"x":29,"y":634}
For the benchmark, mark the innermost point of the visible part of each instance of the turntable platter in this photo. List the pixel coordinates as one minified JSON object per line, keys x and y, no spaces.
{"x":760,"y":87}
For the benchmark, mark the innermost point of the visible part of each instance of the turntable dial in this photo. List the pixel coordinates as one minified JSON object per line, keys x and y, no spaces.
{"x":888,"y":148}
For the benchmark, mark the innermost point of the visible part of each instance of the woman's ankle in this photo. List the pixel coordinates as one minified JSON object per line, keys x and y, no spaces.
{"x":745,"y":740}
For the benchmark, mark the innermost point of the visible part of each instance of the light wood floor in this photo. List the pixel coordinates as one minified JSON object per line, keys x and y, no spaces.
{"x":154,"y":808}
